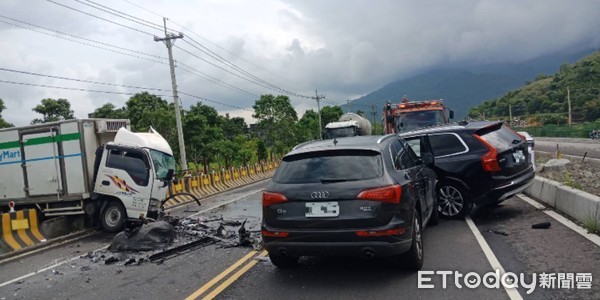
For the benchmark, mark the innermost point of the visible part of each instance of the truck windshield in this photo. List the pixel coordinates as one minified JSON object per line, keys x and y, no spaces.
{"x":417,"y":119}
{"x":162,"y":163}
{"x":331,"y":133}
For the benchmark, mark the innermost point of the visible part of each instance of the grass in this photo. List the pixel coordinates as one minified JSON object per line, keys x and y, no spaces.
{"x":592,"y":225}
{"x":569,"y":181}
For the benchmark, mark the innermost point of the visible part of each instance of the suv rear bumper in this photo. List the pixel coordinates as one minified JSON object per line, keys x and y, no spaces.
{"x":503,"y":190}
{"x":357,"y":249}
{"x":343,"y":242}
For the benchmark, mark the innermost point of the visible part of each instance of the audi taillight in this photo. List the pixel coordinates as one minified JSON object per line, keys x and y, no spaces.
{"x":280,"y":234}
{"x":396,"y":231}
{"x":390,"y":194}
{"x":489,"y":161}
{"x":269,"y":198}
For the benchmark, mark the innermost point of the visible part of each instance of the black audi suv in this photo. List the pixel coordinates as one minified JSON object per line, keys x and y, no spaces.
{"x":482,"y":163}
{"x":367,"y":196}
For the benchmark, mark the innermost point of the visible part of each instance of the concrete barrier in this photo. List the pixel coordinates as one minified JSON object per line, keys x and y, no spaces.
{"x":578,"y":204}
{"x":20,"y":229}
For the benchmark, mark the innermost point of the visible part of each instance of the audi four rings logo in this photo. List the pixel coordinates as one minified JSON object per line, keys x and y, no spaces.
{"x":320,"y":195}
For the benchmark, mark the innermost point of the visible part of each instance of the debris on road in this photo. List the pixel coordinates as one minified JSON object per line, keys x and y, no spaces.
{"x":151,"y":236}
{"x":111,"y":260}
{"x":543,"y":225}
{"x":497,"y":232}
{"x":157,"y":241}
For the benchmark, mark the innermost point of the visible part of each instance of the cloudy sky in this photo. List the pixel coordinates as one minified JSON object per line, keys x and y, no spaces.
{"x":234,"y":51}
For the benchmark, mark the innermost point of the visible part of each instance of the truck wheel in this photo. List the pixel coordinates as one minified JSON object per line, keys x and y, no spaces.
{"x":113,"y":217}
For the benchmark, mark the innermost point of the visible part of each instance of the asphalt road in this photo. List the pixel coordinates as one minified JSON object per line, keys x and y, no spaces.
{"x":569,"y":146}
{"x":506,"y":240}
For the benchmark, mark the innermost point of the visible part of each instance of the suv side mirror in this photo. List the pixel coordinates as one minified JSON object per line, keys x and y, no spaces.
{"x":451,"y":114}
{"x":427,"y":158}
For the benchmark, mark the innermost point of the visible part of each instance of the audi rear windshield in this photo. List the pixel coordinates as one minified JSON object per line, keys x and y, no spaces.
{"x":330,"y":166}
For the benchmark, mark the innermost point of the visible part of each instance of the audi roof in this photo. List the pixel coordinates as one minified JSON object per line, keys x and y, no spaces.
{"x":370,"y":142}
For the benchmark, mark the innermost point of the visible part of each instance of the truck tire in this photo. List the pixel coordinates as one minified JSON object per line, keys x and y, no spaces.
{"x":113,"y":217}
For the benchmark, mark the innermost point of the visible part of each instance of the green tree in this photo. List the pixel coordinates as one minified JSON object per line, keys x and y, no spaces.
{"x":233,"y":126}
{"x":53,"y":110}
{"x":109,"y":111}
{"x":144,"y":104}
{"x":276,"y":117}
{"x":202,"y":134}
{"x":261,"y":150}
{"x":3,"y":123}
{"x":308,"y":126}
{"x":330,"y":114}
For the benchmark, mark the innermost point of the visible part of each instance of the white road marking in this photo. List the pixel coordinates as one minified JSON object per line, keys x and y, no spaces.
{"x":513,"y":294}
{"x":556,"y":216}
{"x":74,"y":258}
{"x":48,"y":247}
{"x":46,"y":268}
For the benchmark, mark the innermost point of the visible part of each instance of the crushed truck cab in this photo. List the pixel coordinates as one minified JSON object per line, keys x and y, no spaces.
{"x":95,"y":167}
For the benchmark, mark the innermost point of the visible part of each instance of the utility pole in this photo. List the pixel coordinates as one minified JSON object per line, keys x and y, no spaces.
{"x":167,"y":39}
{"x":374,"y":113}
{"x":510,"y":114}
{"x":318,"y":98}
{"x":569,"y":103}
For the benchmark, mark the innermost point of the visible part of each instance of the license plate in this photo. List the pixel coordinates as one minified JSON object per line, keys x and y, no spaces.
{"x":322,"y":209}
{"x":519,"y":156}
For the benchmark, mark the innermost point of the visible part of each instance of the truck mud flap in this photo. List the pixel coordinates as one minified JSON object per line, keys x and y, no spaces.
{"x":20,"y":229}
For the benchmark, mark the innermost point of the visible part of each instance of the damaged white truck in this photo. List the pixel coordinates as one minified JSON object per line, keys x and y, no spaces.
{"x":96,"y":167}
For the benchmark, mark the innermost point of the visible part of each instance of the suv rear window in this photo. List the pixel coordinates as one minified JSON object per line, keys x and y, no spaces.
{"x":502,"y":139}
{"x":330,"y":166}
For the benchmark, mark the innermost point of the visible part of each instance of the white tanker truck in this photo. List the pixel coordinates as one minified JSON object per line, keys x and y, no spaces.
{"x":349,"y":124}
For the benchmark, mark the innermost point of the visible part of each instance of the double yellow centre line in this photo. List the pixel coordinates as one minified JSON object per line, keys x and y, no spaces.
{"x":216,"y":291}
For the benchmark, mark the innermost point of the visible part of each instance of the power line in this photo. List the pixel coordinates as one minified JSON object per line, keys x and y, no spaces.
{"x":225,"y":70}
{"x":81,"y":38}
{"x":84,"y":81}
{"x":101,"y":18}
{"x":113,"y":92}
{"x":140,"y":7}
{"x":70,"y":88}
{"x":215,"y":80}
{"x":224,"y":61}
{"x":207,"y":40}
{"x":121,"y":14}
{"x":60,"y":33}
{"x":213,"y":101}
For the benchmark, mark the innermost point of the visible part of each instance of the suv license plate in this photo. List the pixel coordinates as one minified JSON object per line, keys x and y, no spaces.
{"x":322,"y":209}
{"x":519,"y":156}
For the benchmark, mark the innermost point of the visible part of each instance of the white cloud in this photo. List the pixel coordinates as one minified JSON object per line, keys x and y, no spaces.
{"x":342,"y":48}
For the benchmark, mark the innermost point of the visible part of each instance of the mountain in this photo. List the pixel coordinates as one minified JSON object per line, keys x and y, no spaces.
{"x":465,"y":87}
{"x":544,"y":99}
